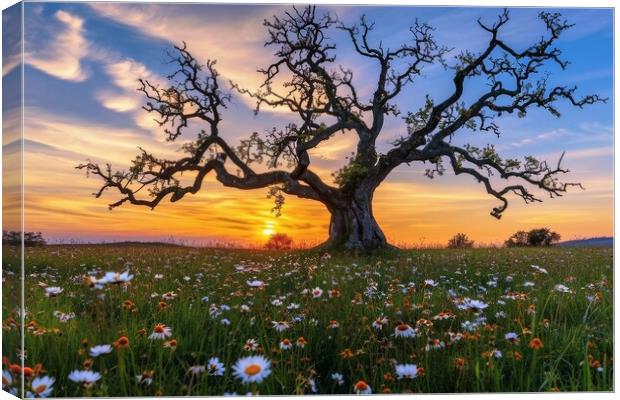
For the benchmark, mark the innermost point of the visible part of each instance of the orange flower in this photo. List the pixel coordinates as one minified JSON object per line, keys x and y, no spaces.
{"x":515,"y":354}
{"x":172,"y":344}
{"x":361,"y":386}
{"x":128,"y":305}
{"x":335,"y":292}
{"x":406,"y":304}
{"x":122,"y":343}
{"x":346,"y":353}
{"x":142,"y":332}
{"x":459,"y":363}
{"x":38,"y":369}
{"x":163,"y":305}
{"x":15,"y":369}
{"x":536,"y":343}
{"x":301,"y":342}
{"x":28,"y":372}
{"x":421,"y":371}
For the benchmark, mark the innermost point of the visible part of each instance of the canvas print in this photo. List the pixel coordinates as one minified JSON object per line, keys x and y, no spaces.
{"x":231,"y":199}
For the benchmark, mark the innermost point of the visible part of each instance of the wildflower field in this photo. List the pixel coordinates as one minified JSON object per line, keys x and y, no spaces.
{"x":157,"y":320}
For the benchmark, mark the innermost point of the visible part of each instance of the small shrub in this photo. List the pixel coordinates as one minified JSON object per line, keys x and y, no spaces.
{"x":279,"y":241}
{"x":460,"y":241}
{"x":540,"y":237}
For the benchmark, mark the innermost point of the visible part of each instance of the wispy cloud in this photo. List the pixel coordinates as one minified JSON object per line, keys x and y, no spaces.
{"x":124,"y":74}
{"x":61,"y":56}
{"x":237,"y":47}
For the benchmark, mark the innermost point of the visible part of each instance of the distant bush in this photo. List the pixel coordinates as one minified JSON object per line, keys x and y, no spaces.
{"x":535,"y":238}
{"x":460,"y":241}
{"x":279,"y":241}
{"x":13,"y":238}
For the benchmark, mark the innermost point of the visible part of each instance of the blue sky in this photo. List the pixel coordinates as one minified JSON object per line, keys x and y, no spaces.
{"x":82,"y":61}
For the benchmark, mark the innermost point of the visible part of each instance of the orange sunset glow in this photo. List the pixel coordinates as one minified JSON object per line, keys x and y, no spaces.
{"x":99,"y":117}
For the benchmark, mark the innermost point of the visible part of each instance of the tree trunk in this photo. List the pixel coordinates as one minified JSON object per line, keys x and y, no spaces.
{"x":353,"y":226}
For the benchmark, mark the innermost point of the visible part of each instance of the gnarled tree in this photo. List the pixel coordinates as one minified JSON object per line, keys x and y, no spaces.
{"x":323,"y":97}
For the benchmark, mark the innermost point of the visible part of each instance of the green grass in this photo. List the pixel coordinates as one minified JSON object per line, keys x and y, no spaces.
{"x":576,"y":332}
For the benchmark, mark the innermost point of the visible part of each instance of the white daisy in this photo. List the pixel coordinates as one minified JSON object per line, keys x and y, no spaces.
{"x":169,"y":296}
{"x":160,"y":332}
{"x":473,"y":305}
{"x":338,"y":378}
{"x":252,"y":369}
{"x":42,"y":386}
{"x":512,"y":337}
{"x":215,"y":367}
{"x":280,"y":326}
{"x":53,"y":291}
{"x":146,"y":378}
{"x":251,"y":345}
{"x":362,"y":387}
{"x":404,"y":330}
{"x":496,"y":353}
{"x":317,"y":292}
{"x":406,"y":371}
{"x":7,"y":378}
{"x":286,"y":344}
{"x":87,"y":377}
{"x":255,"y":283}
{"x":379,"y":322}
{"x":64,"y":317}
{"x":561,"y":288}
{"x":101,"y":349}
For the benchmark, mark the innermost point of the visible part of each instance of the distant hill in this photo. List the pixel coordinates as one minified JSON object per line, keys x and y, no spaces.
{"x":591,"y":242}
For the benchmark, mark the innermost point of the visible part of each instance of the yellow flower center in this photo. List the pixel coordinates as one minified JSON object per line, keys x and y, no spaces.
{"x":40,"y":388}
{"x":252,"y":369}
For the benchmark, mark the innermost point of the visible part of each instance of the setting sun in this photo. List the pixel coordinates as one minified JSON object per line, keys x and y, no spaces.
{"x":269,"y":228}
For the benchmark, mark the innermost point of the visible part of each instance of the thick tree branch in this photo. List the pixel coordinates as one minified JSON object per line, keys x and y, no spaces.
{"x":532,"y":171}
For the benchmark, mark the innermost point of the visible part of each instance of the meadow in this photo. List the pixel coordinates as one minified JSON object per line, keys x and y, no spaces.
{"x":186,"y":321}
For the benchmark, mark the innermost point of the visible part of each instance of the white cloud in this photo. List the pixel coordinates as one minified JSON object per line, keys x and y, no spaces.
{"x":92,"y":140}
{"x":119,"y":102}
{"x":124,"y":74}
{"x":208,"y":36}
{"x":62,"y":56}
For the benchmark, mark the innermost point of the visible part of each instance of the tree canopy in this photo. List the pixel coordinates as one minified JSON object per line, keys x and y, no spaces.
{"x":321,"y":94}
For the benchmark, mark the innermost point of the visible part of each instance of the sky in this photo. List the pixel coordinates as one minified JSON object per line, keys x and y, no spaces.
{"x":81,"y":66}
